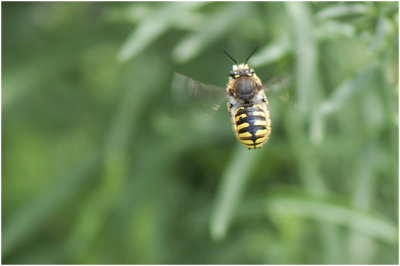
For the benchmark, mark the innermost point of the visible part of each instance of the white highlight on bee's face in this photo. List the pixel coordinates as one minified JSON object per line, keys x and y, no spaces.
{"x":240,"y":67}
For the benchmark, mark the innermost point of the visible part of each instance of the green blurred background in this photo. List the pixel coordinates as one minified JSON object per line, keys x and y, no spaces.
{"x":100,"y":165}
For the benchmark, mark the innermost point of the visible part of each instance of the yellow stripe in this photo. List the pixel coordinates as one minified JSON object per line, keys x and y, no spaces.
{"x":240,"y":116}
{"x":257,"y":113}
{"x":244,"y":135}
{"x":246,"y":142}
{"x":243,"y":125}
{"x":259,"y":106}
{"x":259,"y":145}
{"x":238,"y":109}
{"x":260,"y":123}
{"x":261,"y":132}
{"x":261,"y":139}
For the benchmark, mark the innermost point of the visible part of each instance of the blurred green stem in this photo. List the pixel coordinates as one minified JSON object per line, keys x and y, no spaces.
{"x":231,"y":188}
{"x":307,"y":97}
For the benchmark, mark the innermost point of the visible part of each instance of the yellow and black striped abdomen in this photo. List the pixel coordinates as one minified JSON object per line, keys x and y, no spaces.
{"x":252,"y":125}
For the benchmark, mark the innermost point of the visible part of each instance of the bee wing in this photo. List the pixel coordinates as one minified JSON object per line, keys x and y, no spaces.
{"x":280,"y":87}
{"x":196,"y":96}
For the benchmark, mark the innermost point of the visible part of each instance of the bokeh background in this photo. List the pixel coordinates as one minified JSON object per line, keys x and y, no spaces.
{"x":101,"y":165}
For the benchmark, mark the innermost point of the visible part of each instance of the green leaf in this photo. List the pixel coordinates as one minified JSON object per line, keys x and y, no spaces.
{"x":341,"y":10}
{"x":231,"y":188}
{"x":213,"y":29}
{"x":272,"y":52}
{"x":340,"y":97}
{"x":324,"y":211}
{"x":152,"y":27}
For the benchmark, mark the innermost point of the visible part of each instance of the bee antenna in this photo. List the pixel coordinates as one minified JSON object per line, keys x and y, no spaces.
{"x":236,"y":63}
{"x":255,"y":49}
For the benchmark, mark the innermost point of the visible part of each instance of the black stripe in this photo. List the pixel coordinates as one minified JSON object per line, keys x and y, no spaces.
{"x":250,"y":119}
{"x":247,"y":109}
{"x":242,"y":120}
{"x":253,"y":137}
{"x":252,"y":129}
{"x":241,"y":111}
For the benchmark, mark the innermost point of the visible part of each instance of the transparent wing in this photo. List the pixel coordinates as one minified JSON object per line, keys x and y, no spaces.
{"x":195,"y":96}
{"x":280,"y":87}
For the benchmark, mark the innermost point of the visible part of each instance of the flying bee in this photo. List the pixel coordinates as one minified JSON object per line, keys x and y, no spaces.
{"x":247,"y":103}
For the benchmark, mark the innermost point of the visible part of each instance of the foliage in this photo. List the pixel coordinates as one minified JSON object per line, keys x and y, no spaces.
{"x":100,"y":165}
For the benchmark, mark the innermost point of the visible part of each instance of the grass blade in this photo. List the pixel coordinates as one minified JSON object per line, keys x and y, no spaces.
{"x":152,"y":27}
{"x":231,"y":188}
{"x":214,"y":28}
{"x":327,"y":212}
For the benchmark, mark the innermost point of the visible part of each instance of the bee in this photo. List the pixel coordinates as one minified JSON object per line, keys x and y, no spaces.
{"x":248,"y":105}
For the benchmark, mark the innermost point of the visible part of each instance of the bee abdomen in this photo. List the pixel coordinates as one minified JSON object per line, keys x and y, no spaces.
{"x":253,"y":125}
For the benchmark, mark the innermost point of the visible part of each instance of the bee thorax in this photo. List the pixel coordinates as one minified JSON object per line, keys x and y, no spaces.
{"x":245,"y":88}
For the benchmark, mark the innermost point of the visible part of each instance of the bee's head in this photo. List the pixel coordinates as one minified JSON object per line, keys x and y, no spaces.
{"x":241,"y":70}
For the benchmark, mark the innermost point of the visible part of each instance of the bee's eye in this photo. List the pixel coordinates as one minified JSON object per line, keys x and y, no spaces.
{"x":234,"y":74}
